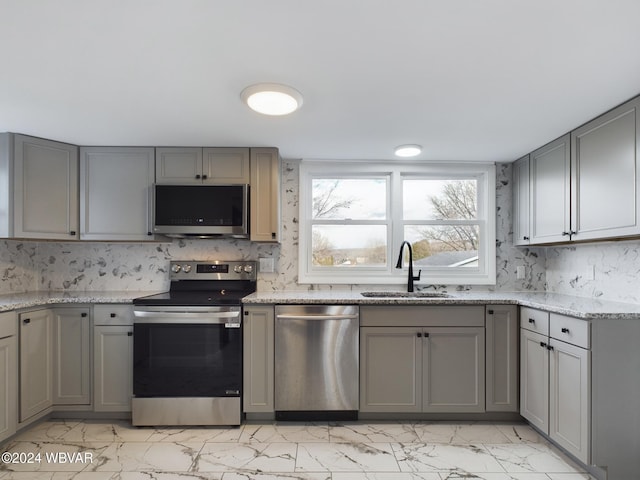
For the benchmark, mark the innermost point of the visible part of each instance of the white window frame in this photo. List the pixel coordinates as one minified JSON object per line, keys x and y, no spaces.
{"x":484,"y":274}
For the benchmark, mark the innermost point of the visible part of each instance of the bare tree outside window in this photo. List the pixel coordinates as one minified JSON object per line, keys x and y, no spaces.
{"x":326,"y":202}
{"x":348,"y":222}
{"x":455,"y":200}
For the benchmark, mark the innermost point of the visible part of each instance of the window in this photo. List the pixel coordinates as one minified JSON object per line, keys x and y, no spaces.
{"x":355,"y":215}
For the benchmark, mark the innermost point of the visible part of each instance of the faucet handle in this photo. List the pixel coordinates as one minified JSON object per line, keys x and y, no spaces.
{"x":418,"y":277}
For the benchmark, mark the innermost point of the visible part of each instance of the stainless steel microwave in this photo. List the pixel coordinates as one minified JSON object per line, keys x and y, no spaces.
{"x":201,"y":210}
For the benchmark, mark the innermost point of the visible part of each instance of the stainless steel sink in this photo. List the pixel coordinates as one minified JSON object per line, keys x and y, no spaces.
{"x":405,"y":294}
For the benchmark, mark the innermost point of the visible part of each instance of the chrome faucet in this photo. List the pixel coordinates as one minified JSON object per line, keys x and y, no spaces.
{"x":410,"y":278}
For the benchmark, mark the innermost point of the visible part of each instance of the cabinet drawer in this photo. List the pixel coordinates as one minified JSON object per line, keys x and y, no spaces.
{"x":421,"y":316}
{"x":8,"y":326}
{"x":115,"y":314}
{"x":534,"y":320}
{"x":571,"y":330}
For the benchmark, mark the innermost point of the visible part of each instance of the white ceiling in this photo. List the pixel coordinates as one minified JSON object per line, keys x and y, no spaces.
{"x":477,"y":80}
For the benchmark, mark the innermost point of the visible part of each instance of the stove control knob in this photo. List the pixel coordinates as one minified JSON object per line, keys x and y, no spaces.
{"x":237,"y":269}
{"x":248,"y":268}
{"x":186,"y":268}
{"x":176,"y":268}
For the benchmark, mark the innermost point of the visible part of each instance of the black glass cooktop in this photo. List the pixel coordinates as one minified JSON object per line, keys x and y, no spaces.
{"x":200,"y":293}
{"x":185,"y":299}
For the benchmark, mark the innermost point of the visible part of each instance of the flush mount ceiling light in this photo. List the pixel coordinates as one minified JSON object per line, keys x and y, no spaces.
{"x":272,"y":98}
{"x":408,"y":150}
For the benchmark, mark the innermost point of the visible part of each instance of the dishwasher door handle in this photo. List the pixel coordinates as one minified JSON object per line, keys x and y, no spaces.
{"x":317,"y":317}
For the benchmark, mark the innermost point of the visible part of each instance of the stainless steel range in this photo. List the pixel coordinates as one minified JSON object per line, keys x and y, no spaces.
{"x":188,"y":346}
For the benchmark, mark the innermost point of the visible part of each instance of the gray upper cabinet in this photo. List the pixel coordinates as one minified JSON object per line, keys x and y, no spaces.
{"x":605,"y":187}
{"x":116,"y":188}
{"x":265,"y":195}
{"x":179,"y":165}
{"x":550,"y":192}
{"x":521,"y":218}
{"x":189,"y":165}
{"x":39,"y":196}
{"x":583,"y":186}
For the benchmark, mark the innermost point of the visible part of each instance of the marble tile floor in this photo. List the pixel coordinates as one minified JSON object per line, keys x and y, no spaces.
{"x":99,"y":450}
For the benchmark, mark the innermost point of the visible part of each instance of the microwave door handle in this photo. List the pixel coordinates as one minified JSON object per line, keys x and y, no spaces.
{"x":150,"y":213}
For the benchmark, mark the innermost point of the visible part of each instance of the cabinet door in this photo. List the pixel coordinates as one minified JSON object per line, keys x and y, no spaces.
{"x":116,"y":186}
{"x":113,"y":368}
{"x":265,"y":195}
{"x":8,"y":387}
{"x":521,"y":216}
{"x":390,"y":369}
{"x":569,"y":398}
{"x":605,"y":189}
{"x":72,"y":357}
{"x":36,"y":362}
{"x":175,"y":165}
{"x":453,"y":369}
{"x":225,"y":165}
{"x":534,"y":379}
{"x":45,"y":189}
{"x":502,"y":358}
{"x":550,"y":192}
{"x":258,"y":352}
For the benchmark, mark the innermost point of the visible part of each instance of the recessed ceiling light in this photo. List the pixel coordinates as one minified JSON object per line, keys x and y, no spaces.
{"x":272,"y":98}
{"x":408,"y":150}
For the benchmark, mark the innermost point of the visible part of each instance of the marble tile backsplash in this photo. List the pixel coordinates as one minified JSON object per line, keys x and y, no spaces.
{"x":86,"y":266}
{"x":608,"y":270}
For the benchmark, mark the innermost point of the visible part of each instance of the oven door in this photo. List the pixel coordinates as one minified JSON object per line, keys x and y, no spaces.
{"x":187,"y":352}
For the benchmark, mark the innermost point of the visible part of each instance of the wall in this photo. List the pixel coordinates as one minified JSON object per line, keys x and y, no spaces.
{"x":608,"y":270}
{"x":80,"y":266}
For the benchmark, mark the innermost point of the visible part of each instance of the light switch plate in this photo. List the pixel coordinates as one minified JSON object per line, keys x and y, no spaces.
{"x":267,"y":264}
{"x":520,"y":272}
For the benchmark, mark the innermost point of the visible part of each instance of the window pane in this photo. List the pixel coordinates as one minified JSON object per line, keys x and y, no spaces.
{"x":355,"y":199}
{"x":349,"y":245}
{"x":439,"y":199}
{"x":444,"y":246}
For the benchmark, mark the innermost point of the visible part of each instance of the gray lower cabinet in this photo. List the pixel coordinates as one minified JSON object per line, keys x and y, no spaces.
{"x":502,"y":358}
{"x":556,"y":376}
{"x":72,"y":356}
{"x":534,"y":379}
{"x":8,"y":375}
{"x":422,"y":359}
{"x":36,"y":362}
{"x":113,"y":358}
{"x":258,"y":364}
{"x":390,"y":369}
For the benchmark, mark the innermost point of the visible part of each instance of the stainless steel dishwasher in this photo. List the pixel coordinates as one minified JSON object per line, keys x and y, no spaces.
{"x":316,"y":362}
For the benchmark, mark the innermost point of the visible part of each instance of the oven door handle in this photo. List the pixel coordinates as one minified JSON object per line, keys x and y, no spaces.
{"x":192,"y":317}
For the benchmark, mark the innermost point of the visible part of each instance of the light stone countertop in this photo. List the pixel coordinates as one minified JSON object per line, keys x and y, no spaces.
{"x":17,"y":301}
{"x":586,"y":308}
